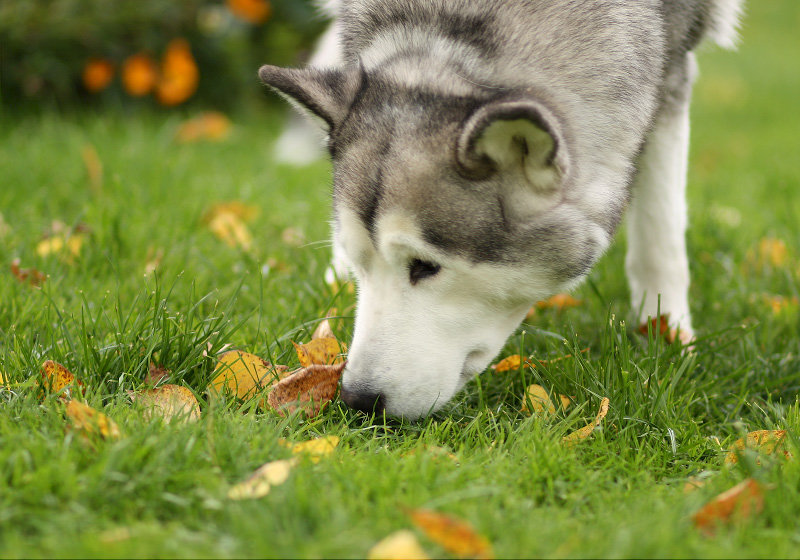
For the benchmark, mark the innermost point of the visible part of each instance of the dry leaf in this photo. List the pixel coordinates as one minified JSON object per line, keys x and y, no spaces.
{"x":454,"y":535}
{"x":324,"y":329}
{"x":540,"y":400}
{"x":27,"y":275}
{"x":228,"y":220}
{"x":55,"y":378}
{"x":740,"y":502}
{"x":94,"y":167}
{"x":211,"y":125}
{"x":512,"y":363}
{"x":400,"y":545}
{"x":586,"y":431}
{"x":766,"y":442}
{"x":156,"y":374}
{"x":559,"y":301}
{"x":243,"y":374}
{"x":91,"y":423}
{"x":309,"y":388}
{"x":167,"y":402}
{"x":262,"y":480}
{"x":315,"y":449}
{"x":322,"y":351}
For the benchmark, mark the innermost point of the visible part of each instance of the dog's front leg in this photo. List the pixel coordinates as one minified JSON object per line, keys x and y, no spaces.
{"x":656,"y":262}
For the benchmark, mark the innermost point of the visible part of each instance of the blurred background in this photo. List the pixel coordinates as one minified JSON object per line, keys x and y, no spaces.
{"x":147,"y":52}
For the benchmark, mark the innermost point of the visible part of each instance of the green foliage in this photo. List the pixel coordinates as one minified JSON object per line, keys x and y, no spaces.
{"x":46,"y":43}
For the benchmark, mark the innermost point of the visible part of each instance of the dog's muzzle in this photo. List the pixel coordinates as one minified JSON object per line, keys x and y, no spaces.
{"x":371,"y":403}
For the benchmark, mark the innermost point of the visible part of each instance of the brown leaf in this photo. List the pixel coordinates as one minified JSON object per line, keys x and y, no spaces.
{"x":586,"y":431}
{"x":243,"y":374}
{"x":512,"y":363}
{"x":321,"y":351}
{"x":309,"y":389}
{"x":156,"y":374}
{"x":766,"y":442}
{"x":55,"y":378}
{"x":262,"y":480}
{"x":91,"y":423}
{"x":454,"y":535}
{"x":559,"y":301}
{"x":740,"y":502}
{"x":27,"y":275}
{"x":400,"y":545}
{"x":167,"y":402}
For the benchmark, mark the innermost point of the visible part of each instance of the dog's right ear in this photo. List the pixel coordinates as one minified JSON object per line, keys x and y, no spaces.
{"x":322,"y":93}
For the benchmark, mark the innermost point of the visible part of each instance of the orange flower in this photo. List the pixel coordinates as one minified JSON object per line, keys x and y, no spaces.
{"x":179,"y":74}
{"x":253,"y":11}
{"x":97,"y":74}
{"x":139,"y":74}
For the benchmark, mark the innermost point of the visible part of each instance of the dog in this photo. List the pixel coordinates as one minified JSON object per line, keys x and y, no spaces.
{"x":483,"y":154}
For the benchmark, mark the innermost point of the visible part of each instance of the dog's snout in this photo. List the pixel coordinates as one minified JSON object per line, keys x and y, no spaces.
{"x":366,"y":402}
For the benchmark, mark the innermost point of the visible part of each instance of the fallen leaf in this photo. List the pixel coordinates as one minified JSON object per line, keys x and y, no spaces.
{"x":766,"y":442}
{"x":243,"y":374}
{"x":512,"y":363}
{"x":228,"y":221}
{"x":454,"y":535}
{"x":309,"y":389}
{"x":772,"y":251}
{"x":90,"y":422}
{"x":156,"y":374}
{"x":400,"y":545}
{"x":586,"y":431}
{"x":778,"y":304}
{"x":27,"y":275}
{"x":55,"y":378}
{"x":559,"y":301}
{"x":324,"y":329}
{"x":540,"y":400}
{"x":63,"y":241}
{"x":322,"y":351}
{"x":211,"y":125}
{"x":660,"y":327}
{"x":315,"y":449}
{"x":167,"y":402}
{"x":740,"y":502}
{"x":262,"y":480}
{"x":94,"y":167}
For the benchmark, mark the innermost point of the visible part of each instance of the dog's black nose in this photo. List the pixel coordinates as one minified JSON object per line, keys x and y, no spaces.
{"x":365,"y":402}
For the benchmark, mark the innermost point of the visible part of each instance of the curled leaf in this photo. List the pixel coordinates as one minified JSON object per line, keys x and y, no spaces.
{"x":309,"y":389}
{"x":400,"y":545}
{"x":740,"y":502}
{"x":167,"y":402}
{"x":323,"y":351}
{"x":90,"y":422}
{"x":262,"y":480}
{"x":540,"y":400}
{"x":455,"y":535}
{"x":586,"y":431}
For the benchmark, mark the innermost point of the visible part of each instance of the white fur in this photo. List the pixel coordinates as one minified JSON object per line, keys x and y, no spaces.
{"x":725,"y":17}
{"x":657,"y":263}
{"x":417,"y":345}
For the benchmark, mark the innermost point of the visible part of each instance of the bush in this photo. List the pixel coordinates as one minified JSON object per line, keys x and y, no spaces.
{"x":147,"y":51}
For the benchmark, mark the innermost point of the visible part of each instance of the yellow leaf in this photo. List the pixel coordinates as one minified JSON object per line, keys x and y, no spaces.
{"x":512,"y":363}
{"x":94,"y":167}
{"x":167,"y":402}
{"x":400,"y":545}
{"x":55,"y":378}
{"x":740,"y":502}
{"x":90,"y":423}
{"x":243,"y":374}
{"x":540,"y":400}
{"x":779,"y":304}
{"x":586,"y":431}
{"x":454,"y":535}
{"x":324,"y":329}
{"x":315,"y":449}
{"x":309,"y":389}
{"x":772,"y":251}
{"x":323,"y":351}
{"x":766,"y":442}
{"x":227,"y":221}
{"x":211,"y":125}
{"x":262,"y":480}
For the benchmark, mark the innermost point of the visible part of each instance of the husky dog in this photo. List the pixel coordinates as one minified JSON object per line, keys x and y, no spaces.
{"x":483,"y":154}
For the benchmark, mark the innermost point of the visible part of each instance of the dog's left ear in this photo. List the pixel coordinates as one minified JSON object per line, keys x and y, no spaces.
{"x":325,"y":94}
{"x":514,"y":136}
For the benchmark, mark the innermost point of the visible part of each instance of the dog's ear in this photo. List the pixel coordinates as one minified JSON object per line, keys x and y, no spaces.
{"x":325,"y":94}
{"x":517,"y":136}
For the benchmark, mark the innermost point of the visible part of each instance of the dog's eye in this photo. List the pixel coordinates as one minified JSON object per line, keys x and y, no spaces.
{"x":418,"y":270}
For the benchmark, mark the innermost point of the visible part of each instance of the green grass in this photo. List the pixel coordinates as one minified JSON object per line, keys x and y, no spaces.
{"x":160,"y":490}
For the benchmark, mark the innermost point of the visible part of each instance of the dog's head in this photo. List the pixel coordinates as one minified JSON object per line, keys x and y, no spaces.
{"x":453,"y":213}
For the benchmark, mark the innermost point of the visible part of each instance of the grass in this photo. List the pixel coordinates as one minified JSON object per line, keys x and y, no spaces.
{"x":160,"y":490}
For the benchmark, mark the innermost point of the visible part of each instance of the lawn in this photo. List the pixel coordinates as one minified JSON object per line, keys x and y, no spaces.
{"x":152,"y":284}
